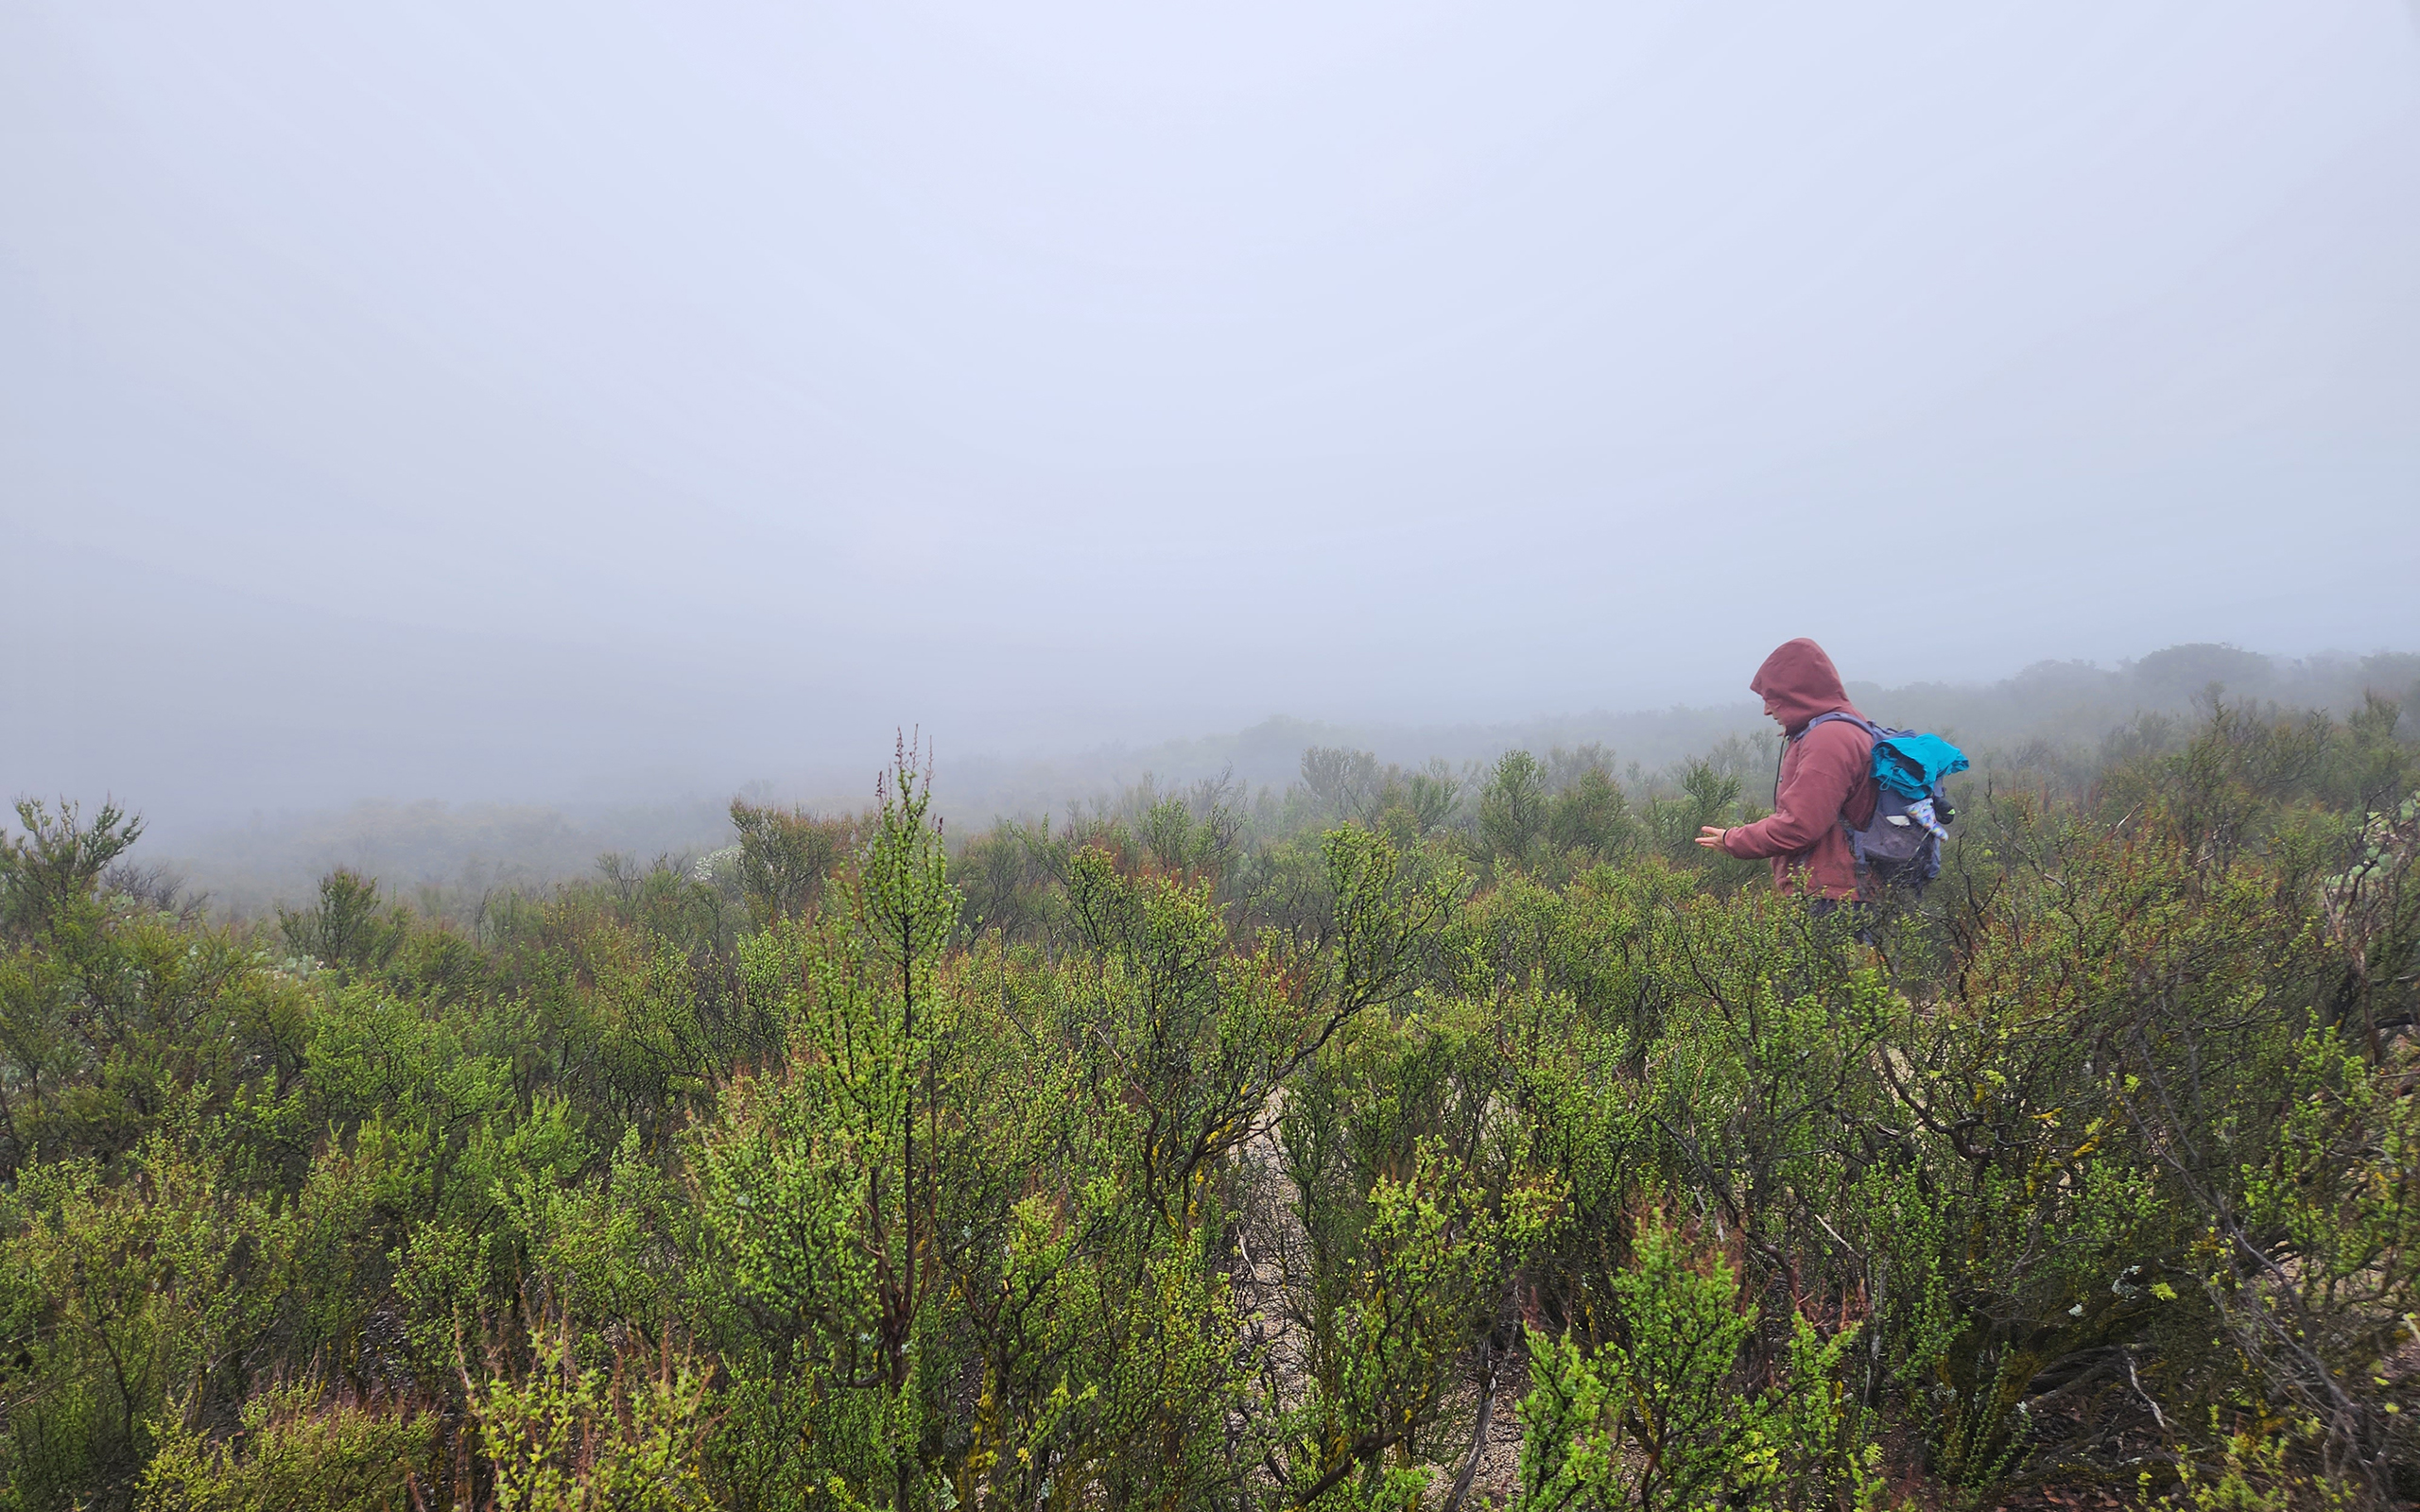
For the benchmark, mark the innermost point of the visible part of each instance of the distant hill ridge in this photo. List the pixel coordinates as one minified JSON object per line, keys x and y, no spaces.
{"x":249,"y":869}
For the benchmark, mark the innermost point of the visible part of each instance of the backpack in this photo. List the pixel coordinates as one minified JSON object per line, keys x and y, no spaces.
{"x":1901,"y":843}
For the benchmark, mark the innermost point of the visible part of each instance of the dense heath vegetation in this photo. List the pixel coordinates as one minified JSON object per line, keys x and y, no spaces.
{"x":1214,"y":1151}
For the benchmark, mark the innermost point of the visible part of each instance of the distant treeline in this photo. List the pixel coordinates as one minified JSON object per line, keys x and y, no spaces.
{"x":1409,"y":1134}
{"x":449,"y":856}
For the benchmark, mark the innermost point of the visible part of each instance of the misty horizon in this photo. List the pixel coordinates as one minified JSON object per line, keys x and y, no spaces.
{"x":579,"y":405}
{"x":1038,"y":776}
{"x":2050,"y":721}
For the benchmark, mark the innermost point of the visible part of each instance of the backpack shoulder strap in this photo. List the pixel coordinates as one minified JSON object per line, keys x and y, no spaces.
{"x":1872,"y":730}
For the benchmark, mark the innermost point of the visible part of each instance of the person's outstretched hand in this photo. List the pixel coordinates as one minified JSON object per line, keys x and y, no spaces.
{"x":1710,"y":836}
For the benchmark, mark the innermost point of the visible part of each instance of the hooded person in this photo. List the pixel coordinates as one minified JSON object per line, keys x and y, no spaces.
{"x":1826,"y":777}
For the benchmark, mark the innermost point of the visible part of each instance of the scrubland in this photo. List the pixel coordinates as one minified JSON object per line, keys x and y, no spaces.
{"x":1404,"y":1136}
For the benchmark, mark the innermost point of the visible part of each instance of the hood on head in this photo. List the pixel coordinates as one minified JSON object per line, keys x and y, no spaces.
{"x":1802,"y":682}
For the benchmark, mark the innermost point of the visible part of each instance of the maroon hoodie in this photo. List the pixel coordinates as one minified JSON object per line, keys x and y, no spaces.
{"x":1826,"y":776}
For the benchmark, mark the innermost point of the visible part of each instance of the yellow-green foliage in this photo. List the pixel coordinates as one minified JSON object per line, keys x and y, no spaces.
{"x":1660,"y":1415}
{"x":561,"y":1436}
{"x":295,"y":1452}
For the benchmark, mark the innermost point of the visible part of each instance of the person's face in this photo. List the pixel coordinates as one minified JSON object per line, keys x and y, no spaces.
{"x":1773,"y":711}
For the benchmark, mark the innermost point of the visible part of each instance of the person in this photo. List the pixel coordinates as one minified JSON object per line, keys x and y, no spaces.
{"x":1826,"y":777}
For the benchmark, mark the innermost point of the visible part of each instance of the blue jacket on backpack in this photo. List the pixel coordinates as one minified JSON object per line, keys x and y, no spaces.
{"x":1901,"y":843}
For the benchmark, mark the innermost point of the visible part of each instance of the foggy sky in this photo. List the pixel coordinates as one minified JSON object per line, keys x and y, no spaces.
{"x":558,"y":399}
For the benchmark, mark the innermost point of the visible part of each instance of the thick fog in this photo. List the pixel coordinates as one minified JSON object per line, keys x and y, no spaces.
{"x":558,"y":402}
